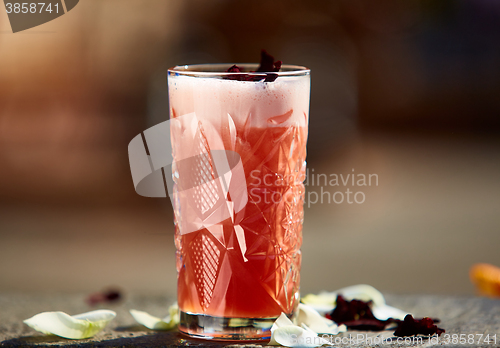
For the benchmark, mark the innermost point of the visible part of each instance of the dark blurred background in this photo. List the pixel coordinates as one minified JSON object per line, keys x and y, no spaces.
{"x":408,"y":90}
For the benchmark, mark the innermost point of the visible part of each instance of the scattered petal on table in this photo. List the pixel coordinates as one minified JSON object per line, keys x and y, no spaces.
{"x":79,"y":326}
{"x":282,"y":321}
{"x":325,"y":301}
{"x":155,"y":323}
{"x":384,"y":312}
{"x":173,"y":315}
{"x":149,"y":321}
{"x":285,"y":333}
{"x":105,"y":296}
{"x":295,"y":336}
{"x":316,"y":322}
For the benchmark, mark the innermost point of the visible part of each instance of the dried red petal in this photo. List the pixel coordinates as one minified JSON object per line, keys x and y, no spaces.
{"x":267,"y":65}
{"x":346,"y":311}
{"x":238,"y":77}
{"x":234,"y":68}
{"x":110,"y":295}
{"x":357,"y":315}
{"x":271,"y":77}
{"x":412,"y":327}
{"x":266,"y":62}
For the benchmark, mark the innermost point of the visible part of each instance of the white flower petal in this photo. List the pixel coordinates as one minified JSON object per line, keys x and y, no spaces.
{"x":79,"y":326}
{"x":155,"y":323}
{"x":384,"y":312}
{"x":149,"y":321}
{"x":173,"y":315}
{"x":282,"y":321}
{"x":312,"y":319}
{"x":323,"y":299}
{"x":305,"y":327}
{"x":294,"y":336}
{"x":97,"y":315}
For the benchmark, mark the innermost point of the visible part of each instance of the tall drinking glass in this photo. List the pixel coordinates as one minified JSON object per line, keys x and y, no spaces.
{"x":239,"y":149}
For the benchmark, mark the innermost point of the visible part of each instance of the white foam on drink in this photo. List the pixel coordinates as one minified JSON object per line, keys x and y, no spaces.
{"x":280,"y":103}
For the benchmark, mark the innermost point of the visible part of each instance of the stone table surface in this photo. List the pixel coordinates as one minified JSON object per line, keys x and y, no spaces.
{"x":471,"y":317}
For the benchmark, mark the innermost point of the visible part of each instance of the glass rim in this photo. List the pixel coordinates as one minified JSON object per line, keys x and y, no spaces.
{"x":219,"y":70}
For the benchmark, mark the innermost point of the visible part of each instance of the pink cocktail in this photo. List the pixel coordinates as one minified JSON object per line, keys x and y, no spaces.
{"x":238,"y":230}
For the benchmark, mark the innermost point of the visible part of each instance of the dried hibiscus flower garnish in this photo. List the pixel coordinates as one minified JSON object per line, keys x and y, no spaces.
{"x":267,"y":66}
{"x":106,"y":296}
{"x":357,"y":315}
{"x":234,"y":68}
{"x":412,"y":327}
{"x":267,"y":63}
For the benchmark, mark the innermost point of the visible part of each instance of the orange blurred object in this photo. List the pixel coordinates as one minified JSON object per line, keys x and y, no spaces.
{"x":486,"y":277}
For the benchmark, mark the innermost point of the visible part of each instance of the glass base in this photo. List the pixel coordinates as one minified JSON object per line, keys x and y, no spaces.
{"x":226,"y":329}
